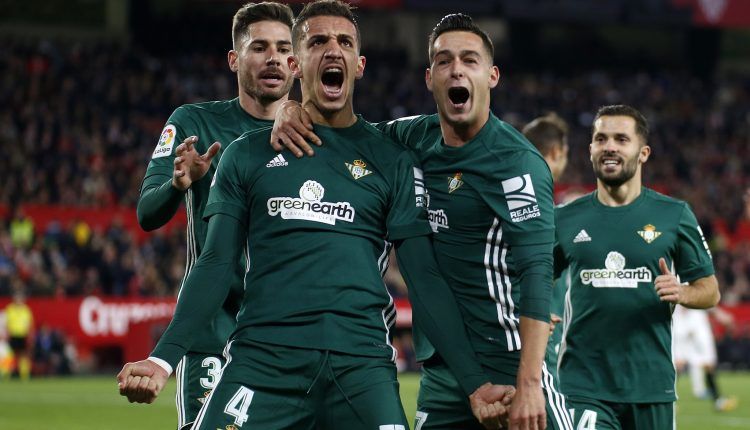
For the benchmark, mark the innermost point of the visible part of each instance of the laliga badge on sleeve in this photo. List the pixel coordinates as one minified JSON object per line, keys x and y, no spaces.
{"x":166,"y":142}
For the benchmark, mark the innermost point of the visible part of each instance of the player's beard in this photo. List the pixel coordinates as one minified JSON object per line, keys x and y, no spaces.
{"x":252,"y":87}
{"x":629,"y":167}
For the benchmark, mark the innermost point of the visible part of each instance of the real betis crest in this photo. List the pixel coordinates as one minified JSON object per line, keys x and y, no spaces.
{"x":455,"y":182}
{"x":358,"y":169}
{"x":649,"y":233}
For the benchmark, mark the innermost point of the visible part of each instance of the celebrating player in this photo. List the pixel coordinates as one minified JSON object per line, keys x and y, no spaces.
{"x":625,"y":245}
{"x":311,"y":348}
{"x":490,"y":205}
{"x":261,"y":39}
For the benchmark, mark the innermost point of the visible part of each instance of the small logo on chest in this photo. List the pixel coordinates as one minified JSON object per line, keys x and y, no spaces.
{"x":649,"y":233}
{"x":358,"y":169}
{"x":455,"y":182}
{"x":277,"y":161}
{"x":582,"y":236}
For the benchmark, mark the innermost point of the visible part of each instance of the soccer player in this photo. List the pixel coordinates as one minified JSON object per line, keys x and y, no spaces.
{"x":695,"y":350}
{"x":490,"y":205}
{"x":625,"y":246}
{"x":311,"y":348}
{"x":261,"y":40}
{"x":549,"y":134}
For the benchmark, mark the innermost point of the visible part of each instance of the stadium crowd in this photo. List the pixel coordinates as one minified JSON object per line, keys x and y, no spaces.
{"x":74,"y":260}
{"x":80,"y":121}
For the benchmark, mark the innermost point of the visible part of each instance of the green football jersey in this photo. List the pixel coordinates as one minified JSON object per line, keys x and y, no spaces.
{"x":217,"y":121}
{"x":557,"y":307}
{"x":319,"y":233}
{"x":617,"y":340}
{"x":484,"y":197}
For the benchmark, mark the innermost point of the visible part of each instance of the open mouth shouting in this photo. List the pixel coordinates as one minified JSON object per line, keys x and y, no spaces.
{"x":458,"y":96}
{"x":332,"y":80}
{"x":272,"y":77}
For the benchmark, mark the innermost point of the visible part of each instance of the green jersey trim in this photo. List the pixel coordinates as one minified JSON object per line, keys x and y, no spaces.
{"x":499,"y":285}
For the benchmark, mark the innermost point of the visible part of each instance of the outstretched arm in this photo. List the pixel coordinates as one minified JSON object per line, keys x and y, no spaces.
{"x":201,"y":296}
{"x":293,"y":130}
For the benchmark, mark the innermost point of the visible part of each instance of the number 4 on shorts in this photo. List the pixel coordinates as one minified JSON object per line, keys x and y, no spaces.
{"x":239,"y":404}
{"x":588,"y":420}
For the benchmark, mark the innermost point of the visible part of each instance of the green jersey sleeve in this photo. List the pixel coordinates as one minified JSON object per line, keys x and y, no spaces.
{"x":692,"y":257}
{"x":410,"y":131}
{"x":523,"y":199}
{"x":205,"y":288}
{"x":159,"y":200}
{"x":436,"y":311}
{"x":228,"y":193}
{"x":407,"y":213}
{"x":179,"y":126}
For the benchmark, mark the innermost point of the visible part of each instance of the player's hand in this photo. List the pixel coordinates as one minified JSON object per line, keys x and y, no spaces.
{"x":489,"y":404}
{"x":554,"y":320}
{"x":142,"y":381}
{"x":292,"y":129}
{"x":189,"y":166}
{"x":527,"y":412}
{"x":667,"y":286}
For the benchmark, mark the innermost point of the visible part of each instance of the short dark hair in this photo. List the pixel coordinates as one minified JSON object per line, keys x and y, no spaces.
{"x":641,"y":123}
{"x":547,"y":131}
{"x":324,"y":8}
{"x":459,"y":22}
{"x":251,"y":13}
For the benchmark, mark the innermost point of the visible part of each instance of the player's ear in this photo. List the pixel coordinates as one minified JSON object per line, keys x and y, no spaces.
{"x":494,"y":76}
{"x":232,"y":60}
{"x":294,"y":66}
{"x":591,"y":152}
{"x":428,"y":78}
{"x":556,"y":152}
{"x":644,"y":154}
{"x":360,"y":67}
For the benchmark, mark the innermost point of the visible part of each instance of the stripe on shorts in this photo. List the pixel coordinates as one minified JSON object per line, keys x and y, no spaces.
{"x":556,"y":401}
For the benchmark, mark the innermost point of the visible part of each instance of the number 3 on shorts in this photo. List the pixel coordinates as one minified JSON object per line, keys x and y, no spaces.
{"x":239,"y":404}
{"x":214,"y":371}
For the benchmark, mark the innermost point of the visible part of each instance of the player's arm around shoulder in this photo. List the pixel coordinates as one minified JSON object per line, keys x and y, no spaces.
{"x":410,"y":132}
